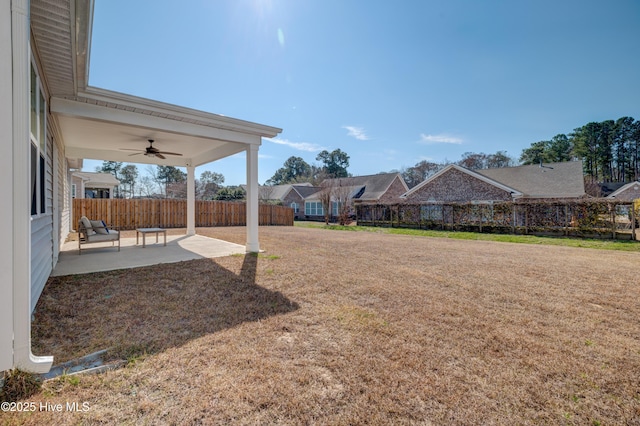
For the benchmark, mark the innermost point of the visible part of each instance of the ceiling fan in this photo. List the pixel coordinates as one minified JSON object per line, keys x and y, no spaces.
{"x":151,"y":151}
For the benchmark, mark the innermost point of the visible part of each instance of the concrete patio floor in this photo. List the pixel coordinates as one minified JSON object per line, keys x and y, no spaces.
{"x":101,"y":257}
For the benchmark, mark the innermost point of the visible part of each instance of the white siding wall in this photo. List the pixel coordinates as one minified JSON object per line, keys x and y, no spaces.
{"x":42,"y":236}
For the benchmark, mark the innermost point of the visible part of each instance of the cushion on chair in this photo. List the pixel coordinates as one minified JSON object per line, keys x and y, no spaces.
{"x":99,"y":226}
{"x":112,"y":236}
{"x":87,"y":224}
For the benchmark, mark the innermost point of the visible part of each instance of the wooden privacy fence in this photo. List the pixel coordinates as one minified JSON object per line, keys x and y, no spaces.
{"x":595,"y":218}
{"x":166,"y":213}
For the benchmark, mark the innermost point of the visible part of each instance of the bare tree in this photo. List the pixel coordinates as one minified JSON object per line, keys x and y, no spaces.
{"x":146,"y":186}
{"x":265,"y":193}
{"x":326,"y":196}
{"x":342,"y":192}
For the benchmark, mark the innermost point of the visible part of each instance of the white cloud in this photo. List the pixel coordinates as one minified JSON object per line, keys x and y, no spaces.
{"x":356,"y":132}
{"x":300,"y":146}
{"x":441,"y":138}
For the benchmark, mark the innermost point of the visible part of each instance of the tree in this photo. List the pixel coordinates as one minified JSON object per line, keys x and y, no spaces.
{"x":473,"y":160}
{"x":114,"y":168}
{"x":170,"y":175}
{"x":559,"y":149}
{"x":537,"y":153}
{"x":498,"y":160}
{"x":420,"y":172}
{"x":146,"y":186}
{"x":609,"y":150}
{"x":208,"y":185}
{"x":230,"y":193}
{"x":335,"y":163}
{"x":129,"y":176}
{"x":342,"y":191}
{"x":325,"y":195}
{"x":294,"y":170}
{"x":588,"y":145}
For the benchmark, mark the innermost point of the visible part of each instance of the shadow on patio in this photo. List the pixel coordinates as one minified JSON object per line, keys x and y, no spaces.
{"x":150,"y":309}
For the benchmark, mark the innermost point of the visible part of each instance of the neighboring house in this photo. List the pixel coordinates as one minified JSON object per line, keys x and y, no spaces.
{"x":458,"y":184}
{"x":50,"y":119}
{"x":290,"y":195}
{"x":627,"y":192}
{"x":93,"y":185}
{"x":380,"y":188}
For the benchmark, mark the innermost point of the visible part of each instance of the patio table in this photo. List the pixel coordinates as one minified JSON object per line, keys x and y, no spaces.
{"x":145,"y":231}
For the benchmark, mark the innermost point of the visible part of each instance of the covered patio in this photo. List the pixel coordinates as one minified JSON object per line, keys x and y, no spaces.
{"x":103,"y":257}
{"x":103,"y":125}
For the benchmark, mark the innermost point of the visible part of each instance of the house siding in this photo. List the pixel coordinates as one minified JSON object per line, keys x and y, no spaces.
{"x":294,"y":197}
{"x":458,"y":186}
{"x":396,"y":189}
{"x":42,"y":234}
{"x":629,"y":194}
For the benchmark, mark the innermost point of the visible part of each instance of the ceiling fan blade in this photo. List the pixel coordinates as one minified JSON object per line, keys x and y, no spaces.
{"x":169,"y":153}
{"x":127,"y":149}
{"x":160,"y":155}
{"x":135,"y":153}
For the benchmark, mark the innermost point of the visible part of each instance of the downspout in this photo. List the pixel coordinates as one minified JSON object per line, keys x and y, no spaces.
{"x":6,"y":191}
{"x":21,"y":236}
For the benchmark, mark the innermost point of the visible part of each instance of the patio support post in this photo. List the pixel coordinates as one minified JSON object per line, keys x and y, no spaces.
{"x":191,"y":201}
{"x":253,"y":246}
{"x":20,"y":236}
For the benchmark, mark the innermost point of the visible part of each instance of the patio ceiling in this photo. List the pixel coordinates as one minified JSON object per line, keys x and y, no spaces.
{"x":103,"y":125}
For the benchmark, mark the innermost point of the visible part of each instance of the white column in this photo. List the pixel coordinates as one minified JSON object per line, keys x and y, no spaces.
{"x":191,"y":201}
{"x":253,"y":245}
{"x":21,"y":233}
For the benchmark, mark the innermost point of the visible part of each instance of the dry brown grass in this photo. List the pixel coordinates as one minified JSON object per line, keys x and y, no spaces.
{"x":331,"y":327}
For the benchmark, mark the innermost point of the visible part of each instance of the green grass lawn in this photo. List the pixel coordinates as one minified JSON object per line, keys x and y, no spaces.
{"x":623,"y":245}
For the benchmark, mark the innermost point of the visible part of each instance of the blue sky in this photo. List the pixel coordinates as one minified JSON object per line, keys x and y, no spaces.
{"x":390,"y":83}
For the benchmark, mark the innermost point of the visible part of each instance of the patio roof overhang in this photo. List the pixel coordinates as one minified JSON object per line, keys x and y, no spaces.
{"x":104,"y":125}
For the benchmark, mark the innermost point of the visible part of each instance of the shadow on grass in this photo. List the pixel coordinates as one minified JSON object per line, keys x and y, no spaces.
{"x":150,"y":309}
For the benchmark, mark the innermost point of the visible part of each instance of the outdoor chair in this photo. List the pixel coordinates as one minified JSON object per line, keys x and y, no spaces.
{"x":96,"y":231}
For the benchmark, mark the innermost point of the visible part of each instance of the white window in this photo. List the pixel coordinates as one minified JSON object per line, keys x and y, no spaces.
{"x":295,"y":207}
{"x":313,"y":208}
{"x":38,"y":141}
{"x":73,"y":190}
{"x":335,"y":208}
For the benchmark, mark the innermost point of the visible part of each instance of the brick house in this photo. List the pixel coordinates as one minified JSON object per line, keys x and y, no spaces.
{"x":290,"y":195}
{"x":380,"y":188}
{"x":628,"y":192}
{"x":458,"y":184}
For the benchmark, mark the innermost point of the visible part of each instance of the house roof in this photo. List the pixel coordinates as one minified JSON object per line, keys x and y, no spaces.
{"x":276,"y":192}
{"x":97,"y":179}
{"x":101,"y":124}
{"x":624,"y":188}
{"x":553,"y":180}
{"x":305,"y":190}
{"x":490,"y":181}
{"x":375,"y":186}
{"x":279,"y":192}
